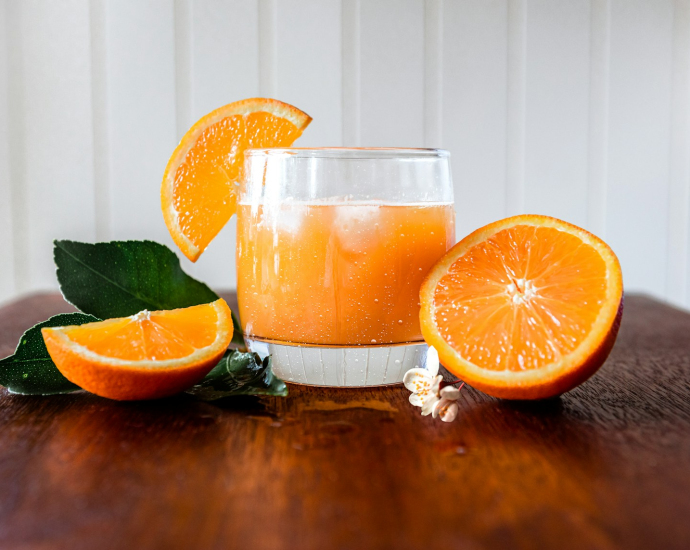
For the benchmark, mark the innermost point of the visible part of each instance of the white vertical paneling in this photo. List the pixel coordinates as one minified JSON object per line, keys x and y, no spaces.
{"x":268,"y":13}
{"x":56,"y":169}
{"x":392,"y":73}
{"x":433,"y":73}
{"x":224,"y":65}
{"x":639,"y":115}
{"x":99,"y":102}
{"x":141,"y":85}
{"x":225,"y":53}
{"x":309,"y":73}
{"x":474,"y":108}
{"x":515,"y":87}
{"x":16,"y":142}
{"x":183,"y":66}
{"x":6,"y":231}
{"x":557,"y":109}
{"x":679,"y":190}
{"x":351,"y":72}
{"x":599,"y":65}
{"x":576,"y":108}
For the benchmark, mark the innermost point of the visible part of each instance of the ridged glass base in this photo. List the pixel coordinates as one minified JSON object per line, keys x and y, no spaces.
{"x":341,"y":366}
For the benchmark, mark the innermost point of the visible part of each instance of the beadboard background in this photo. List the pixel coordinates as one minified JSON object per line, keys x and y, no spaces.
{"x":575,"y":108}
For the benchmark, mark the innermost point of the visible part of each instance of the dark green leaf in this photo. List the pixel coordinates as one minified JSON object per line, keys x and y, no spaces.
{"x":239,"y":373}
{"x":121,"y":278}
{"x":31,"y":370}
{"x":237,"y":337}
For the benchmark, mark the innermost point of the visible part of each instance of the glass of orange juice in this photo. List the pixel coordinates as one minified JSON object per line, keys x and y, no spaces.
{"x":332,"y":248}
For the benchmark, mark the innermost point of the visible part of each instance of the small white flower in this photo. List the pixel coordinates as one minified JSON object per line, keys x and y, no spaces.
{"x":424,"y":383}
{"x":446,"y":408}
{"x":433,"y":397}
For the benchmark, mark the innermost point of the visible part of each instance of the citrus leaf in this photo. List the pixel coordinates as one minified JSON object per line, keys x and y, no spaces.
{"x":121,"y":278}
{"x":237,"y":337}
{"x":30,"y":370}
{"x":239,"y":373}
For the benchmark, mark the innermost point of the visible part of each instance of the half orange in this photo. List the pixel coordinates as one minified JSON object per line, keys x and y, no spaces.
{"x":199,"y":190}
{"x":145,"y":356}
{"x":524,"y":308}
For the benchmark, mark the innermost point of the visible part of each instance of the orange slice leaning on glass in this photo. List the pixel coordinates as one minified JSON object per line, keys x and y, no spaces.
{"x":524,"y":308}
{"x":199,"y":189}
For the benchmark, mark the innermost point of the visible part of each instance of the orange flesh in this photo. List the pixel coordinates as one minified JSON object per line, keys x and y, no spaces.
{"x":156,"y":336}
{"x":345,"y":273}
{"x":522,"y":299}
{"x":204,"y":188}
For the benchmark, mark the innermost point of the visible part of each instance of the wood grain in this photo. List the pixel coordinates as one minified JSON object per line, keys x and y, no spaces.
{"x":605,"y":466}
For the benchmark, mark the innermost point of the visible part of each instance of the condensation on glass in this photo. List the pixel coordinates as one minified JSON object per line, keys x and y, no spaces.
{"x":332,"y":247}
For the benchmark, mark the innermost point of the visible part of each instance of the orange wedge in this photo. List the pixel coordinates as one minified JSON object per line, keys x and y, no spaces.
{"x":524,"y":308}
{"x":145,"y":356}
{"x":199,"y":190}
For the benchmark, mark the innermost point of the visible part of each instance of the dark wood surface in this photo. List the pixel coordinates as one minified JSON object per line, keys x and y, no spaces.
{"x":605,"y":466}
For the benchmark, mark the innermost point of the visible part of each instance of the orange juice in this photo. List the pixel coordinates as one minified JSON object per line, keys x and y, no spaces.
{"x":343,"y":273}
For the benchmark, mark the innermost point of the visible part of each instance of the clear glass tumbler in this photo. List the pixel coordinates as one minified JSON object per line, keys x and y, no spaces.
{"x":332,"y":248}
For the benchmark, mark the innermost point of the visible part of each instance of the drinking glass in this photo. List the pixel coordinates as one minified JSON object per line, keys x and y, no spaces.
{"x":332,"y":247}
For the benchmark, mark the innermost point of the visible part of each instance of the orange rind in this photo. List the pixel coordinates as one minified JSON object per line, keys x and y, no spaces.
{"x":146,"y":356}
{"x":524,"y":308}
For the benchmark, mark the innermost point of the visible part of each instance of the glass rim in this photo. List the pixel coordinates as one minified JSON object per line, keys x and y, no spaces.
{"x":354,"y":153}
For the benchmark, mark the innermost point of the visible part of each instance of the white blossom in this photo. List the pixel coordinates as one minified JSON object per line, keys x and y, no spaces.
{"x":446,"y":408}
{"x":425,"y":385}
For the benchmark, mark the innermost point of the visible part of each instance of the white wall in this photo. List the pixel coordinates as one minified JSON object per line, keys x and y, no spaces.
{"x":575,"y":108}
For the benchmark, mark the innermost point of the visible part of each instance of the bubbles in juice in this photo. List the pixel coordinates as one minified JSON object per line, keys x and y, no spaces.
{"x":343,"y":273}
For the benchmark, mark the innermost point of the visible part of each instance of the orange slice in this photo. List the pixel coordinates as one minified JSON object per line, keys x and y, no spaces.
{"x":524,"y":308}
{"x":145,"y":356}
{"x":199,"y":190}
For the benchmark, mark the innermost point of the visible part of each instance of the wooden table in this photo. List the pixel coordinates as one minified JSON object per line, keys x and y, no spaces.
{"x":605,"y":466}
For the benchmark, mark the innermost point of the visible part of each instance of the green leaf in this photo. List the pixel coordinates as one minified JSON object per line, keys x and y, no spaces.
{"x":121,"y":278}
{"x":239,"y":373}
{"x":237,"y":337}
{"x":30,"y":370}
